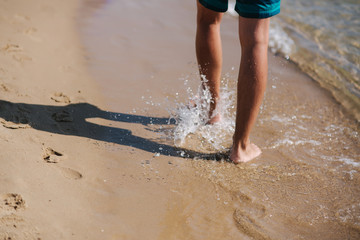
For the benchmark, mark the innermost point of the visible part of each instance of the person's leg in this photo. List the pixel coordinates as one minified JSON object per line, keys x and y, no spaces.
{"x":252,"y":80}
{"x":209,"y":54}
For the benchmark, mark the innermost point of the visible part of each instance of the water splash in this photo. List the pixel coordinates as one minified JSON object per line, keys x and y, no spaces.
{"x":191,"y":118}
{"x":279,"y":41}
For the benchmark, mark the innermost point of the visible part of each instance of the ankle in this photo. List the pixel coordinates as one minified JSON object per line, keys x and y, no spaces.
{"x":240,"y":144}
{"x":215,"y":119}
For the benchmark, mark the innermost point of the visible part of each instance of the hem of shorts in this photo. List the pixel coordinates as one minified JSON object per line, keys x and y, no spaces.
{"x":257,"y":14}
{"x":211,"y":7}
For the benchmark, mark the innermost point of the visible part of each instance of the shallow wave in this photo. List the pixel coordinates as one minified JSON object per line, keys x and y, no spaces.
{"x":321,"y":38}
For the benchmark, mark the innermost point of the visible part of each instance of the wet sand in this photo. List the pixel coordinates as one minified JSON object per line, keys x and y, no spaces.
{"x":89,"y":152}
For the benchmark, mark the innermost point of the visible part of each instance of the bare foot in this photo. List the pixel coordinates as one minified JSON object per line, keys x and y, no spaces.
{"x":214,"y":119}
{"x":241,"y":155}
{"x":192,"y":103}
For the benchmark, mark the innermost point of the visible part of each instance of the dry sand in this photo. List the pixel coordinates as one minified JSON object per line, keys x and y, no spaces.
{"x":44,"y":168}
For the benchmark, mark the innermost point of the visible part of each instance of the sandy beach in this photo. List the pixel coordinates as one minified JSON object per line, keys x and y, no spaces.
{"x":42,"y":162}
{"x":87,"y":146}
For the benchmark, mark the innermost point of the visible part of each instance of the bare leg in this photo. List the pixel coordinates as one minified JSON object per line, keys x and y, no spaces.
{"x":252,"y":80}
{"x":209,"y":54}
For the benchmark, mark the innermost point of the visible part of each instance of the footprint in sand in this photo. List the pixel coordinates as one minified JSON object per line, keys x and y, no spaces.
{"x":21,"y":18}
{"x":11,"y":202}
{"x":70,"y":173}
{"x":52,"y":156}
{"x":63,"y":116}
{"x":4,"y":88}
{"x":251,"y":206}
{"x":249,"y":225}
{"x":13,"y":225}
{"x":247,"y":217}
{"x":60,"y":98}
{"x":12,"y":125}
{"x":16,"y":51}
{"x":14,"y":118}
{"x":11,"y":48}
{"x":30,"y":32}
{"x":21,"y":58}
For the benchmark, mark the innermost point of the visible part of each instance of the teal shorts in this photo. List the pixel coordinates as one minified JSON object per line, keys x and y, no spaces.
{"x":246,"y":8}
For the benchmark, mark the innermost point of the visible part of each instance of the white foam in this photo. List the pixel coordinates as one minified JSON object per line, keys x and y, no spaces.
{"x":288,"y":142}
{"x":280,"y":119}
{"x":279,"y":41}
{"x":311,"y":142}
{"x":349,"y":161}
{"x":192,"y":118}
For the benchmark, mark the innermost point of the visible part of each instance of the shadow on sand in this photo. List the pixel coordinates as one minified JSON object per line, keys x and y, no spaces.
{"x":72,"y":120}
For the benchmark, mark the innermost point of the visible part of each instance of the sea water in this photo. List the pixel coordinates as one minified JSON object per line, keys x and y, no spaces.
{"x":323,"y":40}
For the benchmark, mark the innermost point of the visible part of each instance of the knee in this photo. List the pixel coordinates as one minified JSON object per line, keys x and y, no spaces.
{"x":204,"y":20}
{"x":207,"y":18}
{"x":254,"y":33}
{"x":250,"y":42}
